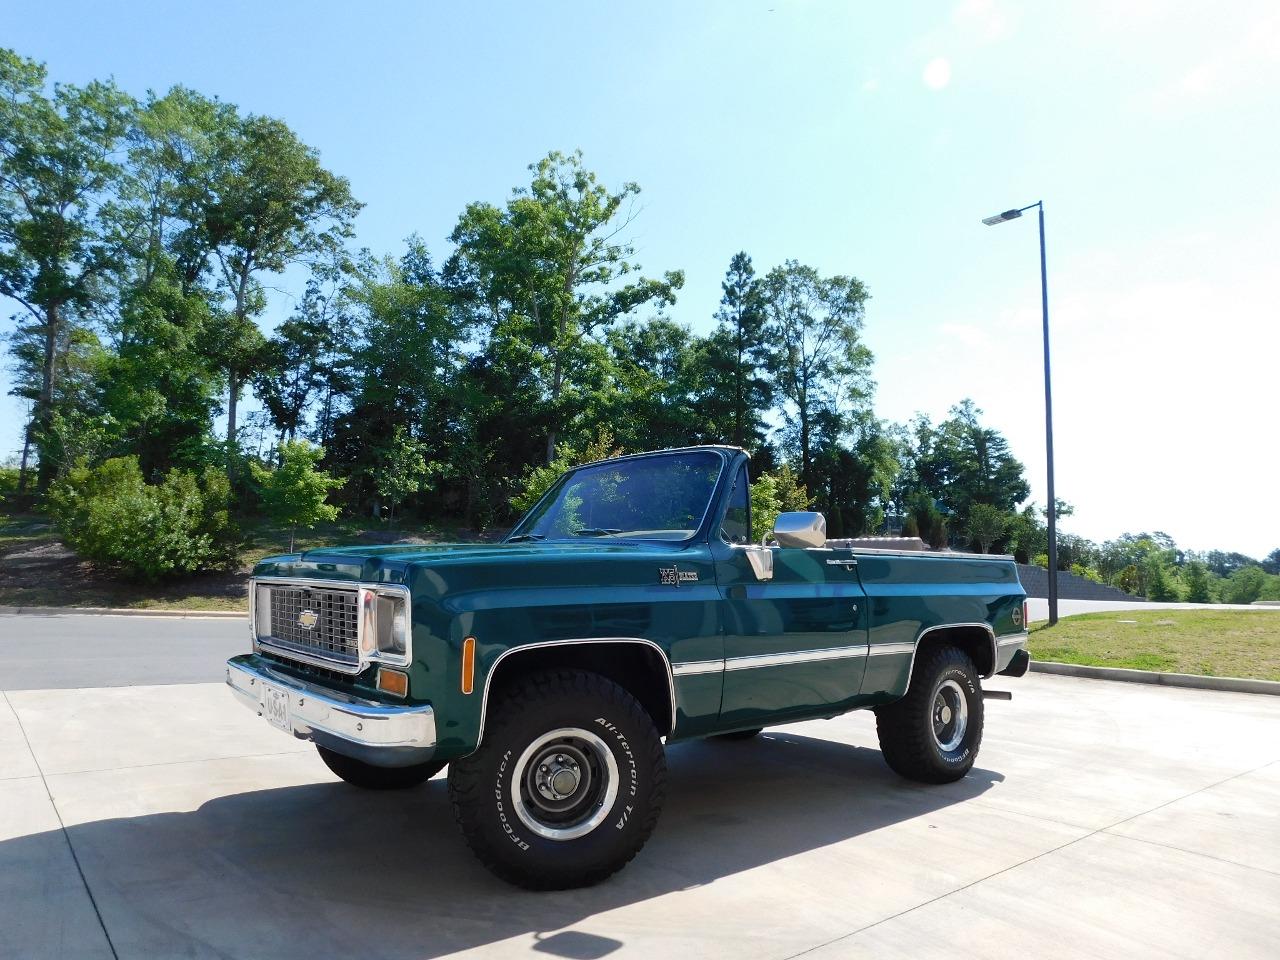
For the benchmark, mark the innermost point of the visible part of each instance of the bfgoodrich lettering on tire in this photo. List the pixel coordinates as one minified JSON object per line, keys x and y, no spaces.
{"x":933,"y":733}
{"x":567,"y":785}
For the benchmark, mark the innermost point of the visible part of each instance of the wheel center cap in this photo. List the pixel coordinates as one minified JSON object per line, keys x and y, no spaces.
{"x":564,"y":782}
{"x":945,"y":714}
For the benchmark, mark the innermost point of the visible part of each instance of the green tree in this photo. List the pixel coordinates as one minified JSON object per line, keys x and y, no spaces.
{"x":158,"y":389}
{"x":960,"y":462}
{"x":653,"y":382}
{"x":734,"y":392}
{"x":541,"y":275}
{"x":295,"y":493}
{"x":855,"y":478}
{"x":987,"y":524}
{"x":60,"y":232}
{"x":1158,"y":584}
{"x":402,"y":471}
{"x":265,"y":203}
{"x":300,"y":367}
{"x":821,"y":365}
{"x":402,"y":369}
{"x":1196,"y":580}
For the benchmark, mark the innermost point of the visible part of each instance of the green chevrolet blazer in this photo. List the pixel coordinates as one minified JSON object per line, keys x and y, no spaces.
{"x":630,"y":608}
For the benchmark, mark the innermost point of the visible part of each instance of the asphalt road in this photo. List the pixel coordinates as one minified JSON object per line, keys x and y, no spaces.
{"x":63,"y":651}
{"x":1103,"y":819}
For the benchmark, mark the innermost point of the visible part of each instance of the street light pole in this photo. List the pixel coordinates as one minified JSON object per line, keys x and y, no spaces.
{"x":1051,"y":511}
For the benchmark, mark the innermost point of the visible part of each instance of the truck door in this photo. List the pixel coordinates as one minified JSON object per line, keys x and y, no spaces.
{"x":794,"y":645}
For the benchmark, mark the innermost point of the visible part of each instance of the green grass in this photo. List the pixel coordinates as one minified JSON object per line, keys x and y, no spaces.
{"x":1221,"y":643}
{"x":36,"y":570}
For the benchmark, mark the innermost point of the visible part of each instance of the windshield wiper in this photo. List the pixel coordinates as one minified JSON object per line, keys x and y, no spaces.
{"x":596,"y":531}
{"x":521,"y":537}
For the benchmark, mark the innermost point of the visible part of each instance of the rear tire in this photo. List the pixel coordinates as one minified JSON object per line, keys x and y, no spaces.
{"x":739,"y":734}
{"x":567,"y":785}
{"x":366,"y":775}
{"x":933,"y":733}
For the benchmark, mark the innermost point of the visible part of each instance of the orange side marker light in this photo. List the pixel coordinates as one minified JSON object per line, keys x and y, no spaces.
{"x":468,"y":664}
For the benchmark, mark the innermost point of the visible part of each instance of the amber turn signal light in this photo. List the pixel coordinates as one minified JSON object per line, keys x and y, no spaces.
{"x":393,"y":682}
{"x":468,"y":664}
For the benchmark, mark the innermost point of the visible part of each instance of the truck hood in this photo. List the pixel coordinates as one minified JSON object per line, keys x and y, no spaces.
{"x":391,"y":563}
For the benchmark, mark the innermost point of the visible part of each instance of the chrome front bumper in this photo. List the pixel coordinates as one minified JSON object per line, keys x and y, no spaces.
{"x":384,"y":735}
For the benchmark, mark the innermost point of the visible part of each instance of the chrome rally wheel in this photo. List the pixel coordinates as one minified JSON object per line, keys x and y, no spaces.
{"x":564,"y":784}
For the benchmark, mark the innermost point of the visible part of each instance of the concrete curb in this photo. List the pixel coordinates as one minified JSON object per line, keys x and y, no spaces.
{"x":122,"y":612}
{"x":1225,"y":684}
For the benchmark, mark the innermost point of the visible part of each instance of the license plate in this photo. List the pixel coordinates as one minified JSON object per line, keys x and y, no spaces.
{"x":275,"y":706}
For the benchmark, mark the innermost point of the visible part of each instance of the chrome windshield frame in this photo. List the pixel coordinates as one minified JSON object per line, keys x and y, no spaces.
{"x":699,"y":531}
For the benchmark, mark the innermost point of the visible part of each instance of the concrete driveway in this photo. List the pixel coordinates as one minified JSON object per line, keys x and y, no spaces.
{"x":162,"y":820}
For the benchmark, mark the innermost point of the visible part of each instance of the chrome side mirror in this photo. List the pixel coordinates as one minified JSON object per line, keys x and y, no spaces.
{"x":801,"y":528}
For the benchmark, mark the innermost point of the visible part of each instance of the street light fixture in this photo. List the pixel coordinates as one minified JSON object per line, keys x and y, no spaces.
{"x":1051,"y":513}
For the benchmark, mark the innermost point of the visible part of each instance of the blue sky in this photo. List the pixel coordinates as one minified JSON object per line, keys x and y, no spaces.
{"x":861,"y":138}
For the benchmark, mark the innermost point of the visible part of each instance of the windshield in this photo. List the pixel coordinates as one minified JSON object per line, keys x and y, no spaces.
{"x":656,"y":498}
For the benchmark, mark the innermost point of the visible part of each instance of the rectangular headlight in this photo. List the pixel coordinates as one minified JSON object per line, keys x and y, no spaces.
{"x":393,"y":626}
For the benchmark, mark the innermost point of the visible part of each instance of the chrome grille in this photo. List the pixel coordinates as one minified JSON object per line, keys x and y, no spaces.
{"x":334,"y":635}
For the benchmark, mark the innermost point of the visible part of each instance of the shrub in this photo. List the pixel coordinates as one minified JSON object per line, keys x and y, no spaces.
{"x":987,"y":524}
{"x":1244,"y":586}
{"x":538,"y":479}
{"x":772,"y":494}
{"x":110,"y":515}
{"x":294,"y":494}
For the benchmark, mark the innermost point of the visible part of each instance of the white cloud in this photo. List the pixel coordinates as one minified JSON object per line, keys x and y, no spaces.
{"x":937,"y":73}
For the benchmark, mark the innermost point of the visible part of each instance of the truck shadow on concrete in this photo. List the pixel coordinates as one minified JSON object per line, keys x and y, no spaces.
{"x":326,"y":869}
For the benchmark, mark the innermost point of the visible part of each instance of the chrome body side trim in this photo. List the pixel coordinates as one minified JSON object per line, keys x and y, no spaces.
{"x":888,"y":649}
{"x":385,"y":735}
{"x":798,"y":656}
{"x":366,"y":644}
{"x":694,"y":668}
{"x":488,"y":680}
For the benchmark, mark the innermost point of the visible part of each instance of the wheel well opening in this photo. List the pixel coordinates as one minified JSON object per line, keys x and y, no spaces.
{"x":636,"y":667}
{"x":974,"y":641}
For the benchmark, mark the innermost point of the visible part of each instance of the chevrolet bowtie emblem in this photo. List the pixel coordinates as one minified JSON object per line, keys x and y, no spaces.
{"x":308,"y":619}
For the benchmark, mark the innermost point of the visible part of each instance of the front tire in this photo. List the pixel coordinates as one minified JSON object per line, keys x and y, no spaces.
{"x":567,"y":785}
{"x":366,"y":775}
{"x":933,"y":733}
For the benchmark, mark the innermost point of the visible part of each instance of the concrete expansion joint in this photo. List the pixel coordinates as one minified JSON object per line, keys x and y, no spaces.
{"x":93,"y":901}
